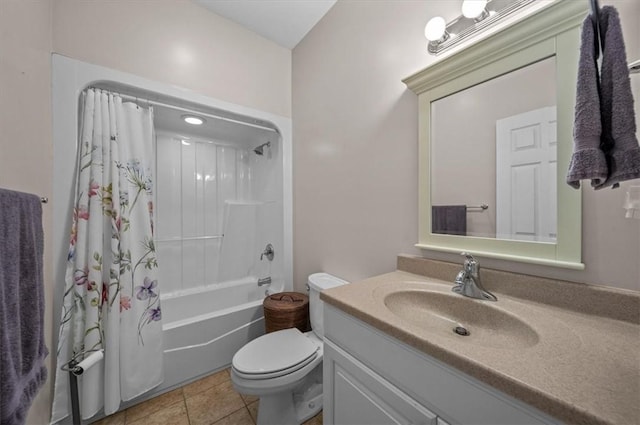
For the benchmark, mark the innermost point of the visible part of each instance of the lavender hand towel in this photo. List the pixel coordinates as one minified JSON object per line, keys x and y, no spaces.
{"x":588,"y":160}
{"x":22,"y":345}
{"x":449,"y":219}
{"x":618,"y":141}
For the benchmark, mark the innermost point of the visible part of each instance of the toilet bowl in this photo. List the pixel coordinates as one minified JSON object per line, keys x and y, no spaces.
{"x":284,"y":368}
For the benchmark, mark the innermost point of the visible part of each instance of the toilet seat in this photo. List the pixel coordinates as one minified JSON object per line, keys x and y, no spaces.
{"x":274,"y":355}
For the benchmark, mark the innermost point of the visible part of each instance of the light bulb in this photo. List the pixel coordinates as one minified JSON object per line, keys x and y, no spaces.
{"x":193,"y":120}
{"x":435,"y":28}
{"x":473,"y":9}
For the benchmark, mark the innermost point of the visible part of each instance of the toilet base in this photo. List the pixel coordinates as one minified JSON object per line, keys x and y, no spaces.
{"x":310,"y":408}
{"x":277,"y":409}
{"x":294,"y":406}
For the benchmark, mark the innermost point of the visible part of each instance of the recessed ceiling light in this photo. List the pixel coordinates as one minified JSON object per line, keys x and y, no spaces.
{"x":193,"y":120}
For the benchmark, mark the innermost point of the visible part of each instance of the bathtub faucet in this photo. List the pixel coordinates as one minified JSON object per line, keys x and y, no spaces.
{"x":268,"y":252}
{"x":264,"y":281}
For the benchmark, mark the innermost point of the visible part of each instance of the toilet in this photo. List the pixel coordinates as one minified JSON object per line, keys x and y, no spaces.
{"x":284,"y":368}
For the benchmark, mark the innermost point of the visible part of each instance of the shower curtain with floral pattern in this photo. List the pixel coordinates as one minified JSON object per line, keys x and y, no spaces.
{"x":111,"y":299}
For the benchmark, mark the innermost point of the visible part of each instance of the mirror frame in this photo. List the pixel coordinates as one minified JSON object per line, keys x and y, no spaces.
{"x":551,"y":31}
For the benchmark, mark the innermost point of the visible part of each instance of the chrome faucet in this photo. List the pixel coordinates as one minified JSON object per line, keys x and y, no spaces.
{"x":468,"y":281}
{"x":268,"y":252}
{"x":264,"y":281}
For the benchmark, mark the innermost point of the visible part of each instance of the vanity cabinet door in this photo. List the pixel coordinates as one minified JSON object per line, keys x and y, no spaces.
{"x":359,"y":396}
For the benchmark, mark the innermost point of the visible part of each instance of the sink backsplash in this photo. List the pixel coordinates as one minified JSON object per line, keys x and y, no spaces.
{"x":591,"y":299}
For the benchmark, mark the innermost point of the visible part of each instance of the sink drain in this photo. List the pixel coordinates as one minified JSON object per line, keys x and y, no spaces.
{"x":461,"y":330}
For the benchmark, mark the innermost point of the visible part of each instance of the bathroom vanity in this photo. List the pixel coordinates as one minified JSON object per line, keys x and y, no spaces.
{"x":410,"y":386}
{"x":546,"y":352}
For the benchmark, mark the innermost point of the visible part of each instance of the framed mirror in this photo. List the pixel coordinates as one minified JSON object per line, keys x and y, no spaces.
{"x":495,"y":134}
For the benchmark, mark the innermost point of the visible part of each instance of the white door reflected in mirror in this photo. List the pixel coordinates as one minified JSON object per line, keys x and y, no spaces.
{"x":526,"y":164}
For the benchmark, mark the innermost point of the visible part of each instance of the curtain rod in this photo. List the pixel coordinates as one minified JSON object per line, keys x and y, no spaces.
{"x":190,"y":111}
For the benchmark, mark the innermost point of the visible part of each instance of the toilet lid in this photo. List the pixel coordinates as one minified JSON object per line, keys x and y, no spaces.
{"x":275,"y":352}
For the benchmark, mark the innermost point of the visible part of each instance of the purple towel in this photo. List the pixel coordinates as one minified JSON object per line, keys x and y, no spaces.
{"x":588,"y":161}
{"x":22,"y":346}
{"x":618,"y":141}
{"x":449,"y":219}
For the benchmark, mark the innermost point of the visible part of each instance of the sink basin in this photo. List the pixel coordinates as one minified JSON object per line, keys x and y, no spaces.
{"x":451,"y":315}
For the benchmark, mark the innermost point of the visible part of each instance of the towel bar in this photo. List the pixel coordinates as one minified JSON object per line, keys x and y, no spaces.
{"x":482,"y":206}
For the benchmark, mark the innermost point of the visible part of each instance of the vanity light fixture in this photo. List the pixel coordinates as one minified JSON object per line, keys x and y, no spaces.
{"x":477,"y":15}
{"x":475,"y":9}
{"x":436,"y":30}
{"x":193,"y":120}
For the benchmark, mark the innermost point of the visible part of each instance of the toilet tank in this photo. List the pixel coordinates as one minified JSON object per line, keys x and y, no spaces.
{"x":317,"y":283}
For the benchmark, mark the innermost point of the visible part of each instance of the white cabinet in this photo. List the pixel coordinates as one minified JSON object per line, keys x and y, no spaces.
{"x":372,"y":378}
{"x":362,"y":397}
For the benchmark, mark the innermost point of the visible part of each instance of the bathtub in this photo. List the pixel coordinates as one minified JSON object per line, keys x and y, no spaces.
{"x":204,"y":327}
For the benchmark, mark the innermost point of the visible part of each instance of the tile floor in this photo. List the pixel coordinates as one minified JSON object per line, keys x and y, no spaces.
{"x":208,"y":401}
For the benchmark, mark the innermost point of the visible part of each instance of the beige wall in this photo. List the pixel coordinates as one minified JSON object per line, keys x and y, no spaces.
{"x":25,"y":120}
{"x":171,"y":41}
{"x":177,"y":42}
{"x":355,"y":150}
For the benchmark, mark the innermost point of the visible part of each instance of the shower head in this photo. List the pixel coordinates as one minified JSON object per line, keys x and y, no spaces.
{"x":260,"y":149}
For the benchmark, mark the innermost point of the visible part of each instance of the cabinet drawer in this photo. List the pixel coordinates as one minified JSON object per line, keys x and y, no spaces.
{"x":361,"y":397}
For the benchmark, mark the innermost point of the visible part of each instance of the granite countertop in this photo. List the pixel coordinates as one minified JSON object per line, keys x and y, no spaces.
{"x":580,"y":367}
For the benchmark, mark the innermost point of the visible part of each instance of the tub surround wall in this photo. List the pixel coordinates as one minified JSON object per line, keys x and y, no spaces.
{"x":218,"y":204}
{"x":188,"y":206}
{"x":356,"y":133}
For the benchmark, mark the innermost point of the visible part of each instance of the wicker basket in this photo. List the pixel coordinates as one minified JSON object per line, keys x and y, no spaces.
{"x":286,"y":310}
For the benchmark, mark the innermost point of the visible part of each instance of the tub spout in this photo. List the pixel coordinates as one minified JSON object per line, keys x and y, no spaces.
{"x":264,"y":281}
